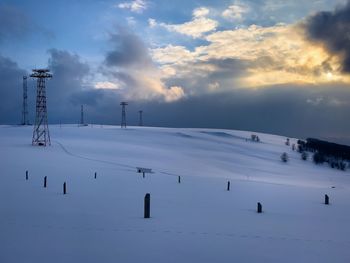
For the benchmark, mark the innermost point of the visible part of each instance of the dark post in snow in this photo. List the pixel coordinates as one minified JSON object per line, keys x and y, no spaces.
{"x":228,"y":186}
{"x":26,"y":175}
{"x":143,"y":174}
{"x":326,"y":199}
{"x":64,"y":188}
{"x":45,"y":181}
{"x":147,"y":206}
{"x":95,"y":175}
{"x":179,"y":179}
{"x":259,"y":210}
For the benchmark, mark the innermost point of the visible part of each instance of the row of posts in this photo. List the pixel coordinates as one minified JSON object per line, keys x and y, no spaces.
{"x":45,"y":183}
{"x":259,"y":205}
{"x":147,"y":205}
{"x":143,"y":176}
{"x":64,"y":184}
{"x":147,"y":201}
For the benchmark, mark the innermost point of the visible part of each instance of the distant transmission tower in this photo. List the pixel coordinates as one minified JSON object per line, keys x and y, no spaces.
{"x":25,"y":103}
{"x":82,"y":115}
{"x":140,"y":120}
{"x":123,"y":123}
{"x":41,"y":135}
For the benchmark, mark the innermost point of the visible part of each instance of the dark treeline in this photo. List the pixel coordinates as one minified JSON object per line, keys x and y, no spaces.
{"x":326,"y":148}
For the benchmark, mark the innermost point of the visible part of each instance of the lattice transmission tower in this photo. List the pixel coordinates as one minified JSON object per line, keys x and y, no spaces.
{"x":82,"y":116}
{"x":41,"y":135}
{"x":25,"y":102}
{"x":123,"y":122}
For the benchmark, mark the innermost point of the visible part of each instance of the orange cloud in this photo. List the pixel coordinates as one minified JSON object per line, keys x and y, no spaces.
{"x":274,"y":55}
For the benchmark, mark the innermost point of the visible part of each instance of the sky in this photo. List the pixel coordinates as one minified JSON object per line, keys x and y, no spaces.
{"x":273,"y":66}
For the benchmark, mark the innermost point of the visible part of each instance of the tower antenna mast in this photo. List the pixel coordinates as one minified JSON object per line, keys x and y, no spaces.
{"x":82,"y":115}
{"x":123,"y":122}
{"x":41,"y":135}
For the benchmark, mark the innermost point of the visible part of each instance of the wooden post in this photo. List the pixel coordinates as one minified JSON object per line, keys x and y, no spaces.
{"x":95,"y":175}
{"x":259,"y":210}
{"x":179,"y":179}
{"x":143,"y":174}
{"x":26,"y":175}
{"x":228,"y":186}
{"x":45,"y":181}
{"x":147,"y":206}
{"x":326,"y":199}
{"x":64,"y":188}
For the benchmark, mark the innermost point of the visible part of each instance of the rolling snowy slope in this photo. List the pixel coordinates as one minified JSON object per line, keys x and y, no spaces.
{"x":101,"y":220}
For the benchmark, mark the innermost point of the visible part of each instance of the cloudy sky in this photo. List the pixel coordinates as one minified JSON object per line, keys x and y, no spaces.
{"x":273,"y":66}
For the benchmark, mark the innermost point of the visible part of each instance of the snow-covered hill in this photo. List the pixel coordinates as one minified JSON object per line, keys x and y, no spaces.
{"x":198,"y":220}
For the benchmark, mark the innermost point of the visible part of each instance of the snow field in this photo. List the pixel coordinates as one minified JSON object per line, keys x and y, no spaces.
{"x":101,"y":220}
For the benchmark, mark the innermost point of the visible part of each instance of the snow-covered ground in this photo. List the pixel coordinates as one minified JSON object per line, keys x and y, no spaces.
{"x":101,"y":220}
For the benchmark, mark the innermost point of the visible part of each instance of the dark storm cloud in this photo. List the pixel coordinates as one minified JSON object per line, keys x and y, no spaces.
{"x":128,"y":50}
{"x":68,"y":77}
{"x":332,"y":29}
{"x":279,"y":110}
{"x":66,"y":90}
{"x":68,"y":69}
{"x":130,"y":65}
{"x":10,"y":91}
